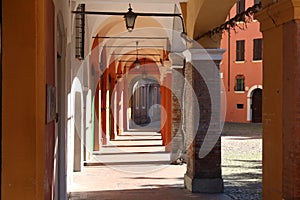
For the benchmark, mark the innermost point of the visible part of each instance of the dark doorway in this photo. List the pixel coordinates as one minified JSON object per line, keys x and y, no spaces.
{"x":145,"y":101}
{"x":257,"y":106}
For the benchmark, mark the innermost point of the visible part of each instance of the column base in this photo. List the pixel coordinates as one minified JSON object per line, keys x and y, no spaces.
{"x":168,"y":148}
{"x":203,"y":185}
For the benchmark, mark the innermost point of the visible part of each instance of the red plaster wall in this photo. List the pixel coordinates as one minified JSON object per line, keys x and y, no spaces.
{"x":103,"y":106}
{"x":291,"y":111}
{"x":166,"y":99}
{"x":251,"y":70}
{"x":23,"y":95}
{"x":50,"y":79}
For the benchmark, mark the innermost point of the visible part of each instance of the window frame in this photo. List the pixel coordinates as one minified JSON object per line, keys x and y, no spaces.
{"x":239,"y":83}
{"x":257,"y":49}
{"x":240,"y":51}
{"x":240,"y":7}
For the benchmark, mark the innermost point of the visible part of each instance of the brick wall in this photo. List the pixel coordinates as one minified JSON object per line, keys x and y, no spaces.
{"x":177,"y":133}
{"x":210,"y":165}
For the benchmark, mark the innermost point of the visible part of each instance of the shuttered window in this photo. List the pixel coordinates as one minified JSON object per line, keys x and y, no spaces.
{"x":257,"y":49}
{"x":80,"y":32}
{"x":240,"y":7}
{"x":240,"y":50}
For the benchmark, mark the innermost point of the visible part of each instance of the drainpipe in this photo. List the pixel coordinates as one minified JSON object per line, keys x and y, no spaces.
{"x":229,"y":50}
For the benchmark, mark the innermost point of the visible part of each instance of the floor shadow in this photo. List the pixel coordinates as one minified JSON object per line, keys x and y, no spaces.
{"x":243,"y":177}
{"x":241,"y":137}
{"x":134,"y":163}
{"x":137,"y":135}
{"x":246,"y":180}
{"x":249,"y":130}
{"x":137,"y":146}
{"x":150,"y":193}
{"x":152,"y":178}
{"x":138,"y":139}
{"x":128,"y":153}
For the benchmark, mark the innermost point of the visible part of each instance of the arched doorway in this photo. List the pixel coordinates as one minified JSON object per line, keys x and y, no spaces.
{"x":256,"y":106}
{"x":146,"y":100}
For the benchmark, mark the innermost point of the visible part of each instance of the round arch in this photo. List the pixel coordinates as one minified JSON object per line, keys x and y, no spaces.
{"x":249,"y":100}
{"x":205,"y":15}
{"x":139,"y":77}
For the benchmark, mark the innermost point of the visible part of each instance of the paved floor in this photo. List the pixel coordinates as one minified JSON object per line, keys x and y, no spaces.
{"x":133,"y":167}
{"x":242,"y":161}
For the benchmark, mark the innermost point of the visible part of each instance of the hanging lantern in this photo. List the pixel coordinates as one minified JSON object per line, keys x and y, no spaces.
{"x":130,"y":17}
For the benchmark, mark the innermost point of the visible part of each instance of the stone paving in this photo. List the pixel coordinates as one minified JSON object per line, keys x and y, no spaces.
{"x":127,"y":172}
{"x":242,"y":161}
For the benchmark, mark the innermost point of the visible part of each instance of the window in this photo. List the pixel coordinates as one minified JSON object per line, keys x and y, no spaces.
{"x":240,"y":106}
{"x":257,"y":49}
{"x":239,"y":83}
{"x":240,"y":48}
{"x":240,"y":7}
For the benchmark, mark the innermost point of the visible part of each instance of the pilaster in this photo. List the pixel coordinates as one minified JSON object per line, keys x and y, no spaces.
{"x":281,"y":73}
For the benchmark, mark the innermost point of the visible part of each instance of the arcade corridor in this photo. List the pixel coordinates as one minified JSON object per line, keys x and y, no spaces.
{"x":73,"y":73}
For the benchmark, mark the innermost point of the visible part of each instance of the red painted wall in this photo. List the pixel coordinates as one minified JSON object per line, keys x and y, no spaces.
{"x":166,"y":99}
{"x":252,"y":70}
{"x":50,"y":79}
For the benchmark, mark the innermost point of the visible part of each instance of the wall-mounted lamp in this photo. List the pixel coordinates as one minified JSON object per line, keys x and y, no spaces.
{"x":131,"y":16}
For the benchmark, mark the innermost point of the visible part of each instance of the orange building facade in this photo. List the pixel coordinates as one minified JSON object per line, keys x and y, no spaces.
{"x":241,"y":70}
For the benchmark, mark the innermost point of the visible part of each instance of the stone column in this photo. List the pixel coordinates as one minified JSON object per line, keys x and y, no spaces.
{"x":178,"y":145}
{"x":202,"y":115}
{"x":280,"y":24}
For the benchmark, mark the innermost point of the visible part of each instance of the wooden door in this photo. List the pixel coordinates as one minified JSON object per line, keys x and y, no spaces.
{"x":257,"y":106}
{"x":140,"y":105}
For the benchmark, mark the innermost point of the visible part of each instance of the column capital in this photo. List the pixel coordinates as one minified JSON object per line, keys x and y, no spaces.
{"x":278,"y":13}
{"x":203,"y":54}
{"x":177,"y":60}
